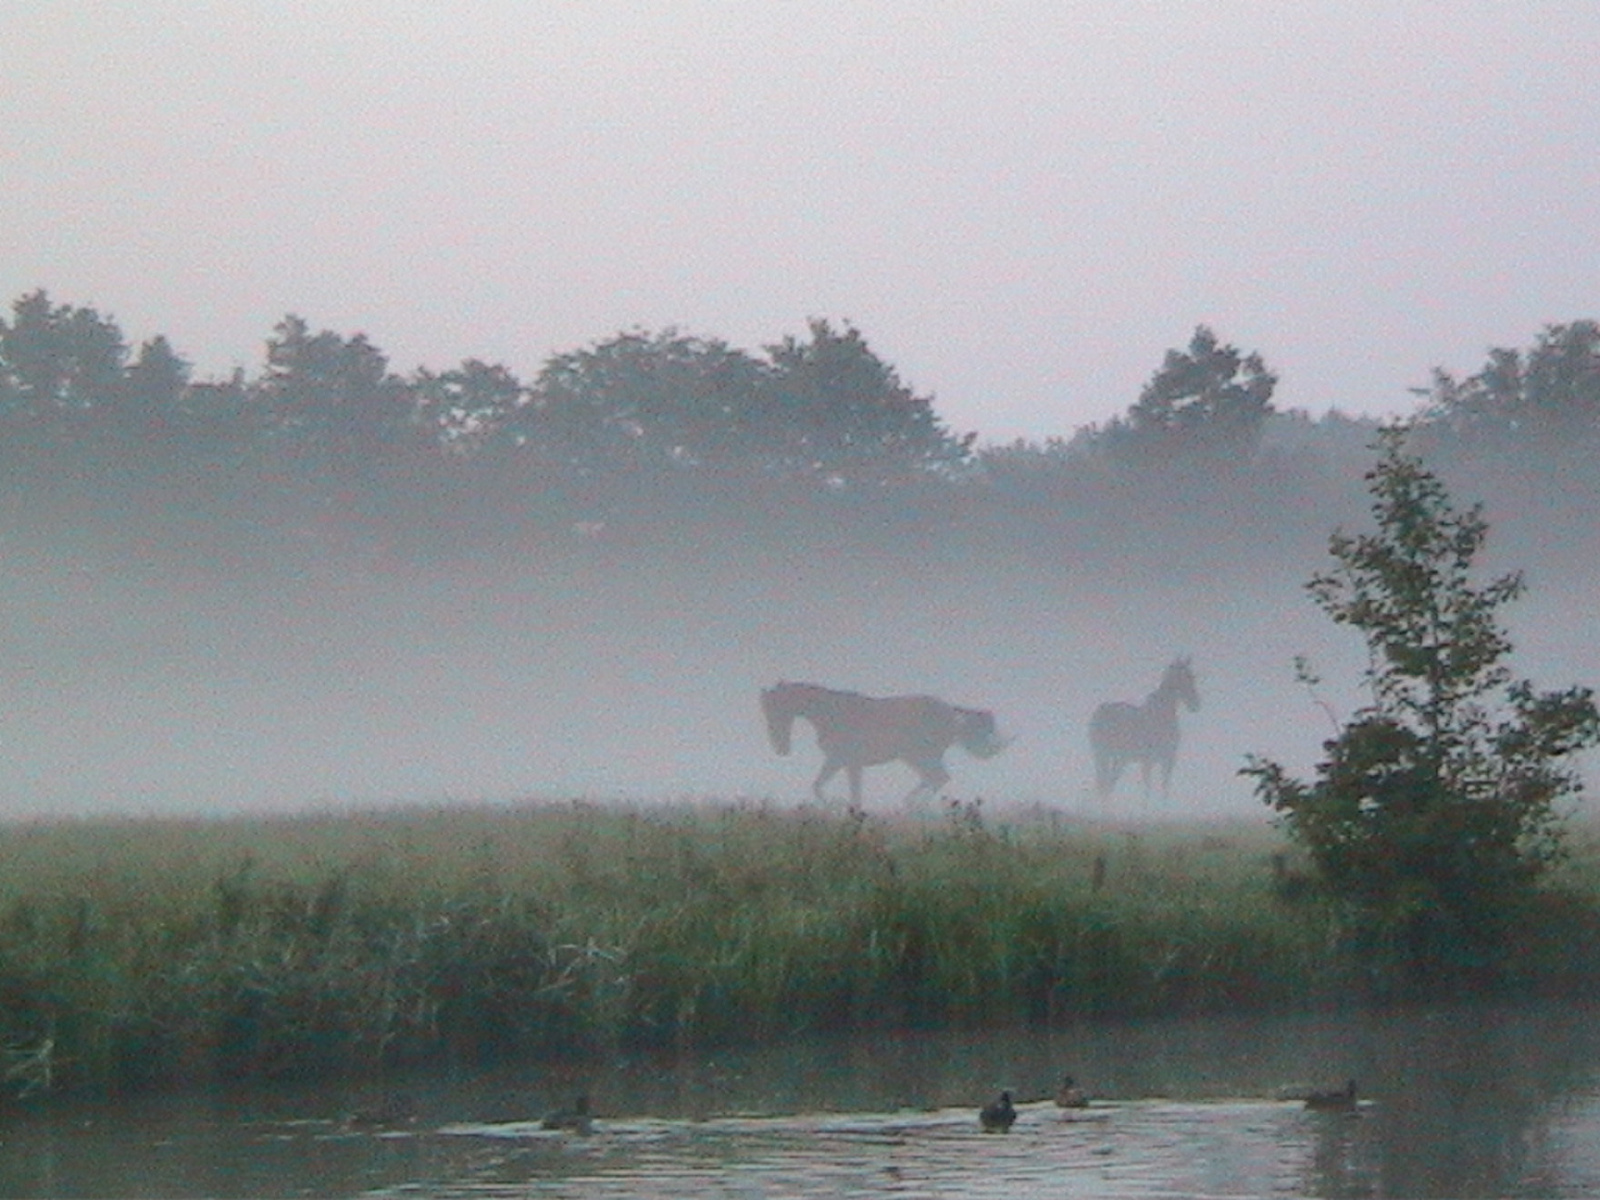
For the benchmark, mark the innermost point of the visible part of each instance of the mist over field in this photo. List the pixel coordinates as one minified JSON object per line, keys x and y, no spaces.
{"x":333,"y":584}
{"x":407,"y":274}
{"x":597,"y":660}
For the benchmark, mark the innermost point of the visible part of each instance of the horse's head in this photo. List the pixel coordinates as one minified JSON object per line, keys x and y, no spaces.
{"x":977,"y":733}
{"x":777,"y":704}
{"x":1179,"y":683}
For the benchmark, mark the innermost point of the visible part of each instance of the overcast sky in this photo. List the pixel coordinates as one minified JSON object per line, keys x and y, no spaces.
{"x":1022,"y":204}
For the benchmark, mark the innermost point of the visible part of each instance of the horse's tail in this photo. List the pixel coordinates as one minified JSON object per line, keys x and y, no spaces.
{"x":977,"y":733}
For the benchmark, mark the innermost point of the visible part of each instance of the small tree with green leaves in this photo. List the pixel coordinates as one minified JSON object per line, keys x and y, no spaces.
{"x":1437,"y":810}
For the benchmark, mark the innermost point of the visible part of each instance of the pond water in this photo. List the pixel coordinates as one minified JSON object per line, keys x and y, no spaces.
{"x":1465,"y":1102}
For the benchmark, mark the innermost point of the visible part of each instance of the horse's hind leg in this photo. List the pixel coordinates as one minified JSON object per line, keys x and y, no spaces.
{"x":854,"y":772}
{"x":931,"y":776}
{"x":830,"y":768}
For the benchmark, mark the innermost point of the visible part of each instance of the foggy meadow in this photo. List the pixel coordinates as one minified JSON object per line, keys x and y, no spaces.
{"x":329,"y":585}
{"x":371,"y":618}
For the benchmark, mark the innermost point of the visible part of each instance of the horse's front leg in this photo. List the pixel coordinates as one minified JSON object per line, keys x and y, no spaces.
{"x":854,"y":773}
{"x":830,"y":768}
{"x":1107,"y":770}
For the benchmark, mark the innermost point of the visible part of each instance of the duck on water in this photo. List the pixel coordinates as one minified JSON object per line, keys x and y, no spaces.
{"x":1337,"y":1100}
{"x":998,"y":1116}
{"x":577,"y":1119}
{"x":1070,"y":1095}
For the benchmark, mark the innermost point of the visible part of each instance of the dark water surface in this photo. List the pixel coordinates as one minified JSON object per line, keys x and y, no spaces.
{"x":1473,"y":1101}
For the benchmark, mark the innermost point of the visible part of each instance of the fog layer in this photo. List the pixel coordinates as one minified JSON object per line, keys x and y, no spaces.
{"x":605,"y":659}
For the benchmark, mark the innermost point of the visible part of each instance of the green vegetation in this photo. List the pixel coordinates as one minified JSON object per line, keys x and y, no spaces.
{"x":159,"y":952}
{"x":142,"y":953}
{"x":1435,"y":816}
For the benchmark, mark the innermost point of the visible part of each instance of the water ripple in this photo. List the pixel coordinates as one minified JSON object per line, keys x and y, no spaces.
{"x":1154,"y":1149}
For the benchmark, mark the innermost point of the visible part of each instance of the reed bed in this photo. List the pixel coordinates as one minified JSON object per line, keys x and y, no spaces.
{"x":161,"y":952}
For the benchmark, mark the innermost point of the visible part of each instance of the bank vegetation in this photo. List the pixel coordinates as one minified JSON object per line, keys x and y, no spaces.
{"x":165,"y":952}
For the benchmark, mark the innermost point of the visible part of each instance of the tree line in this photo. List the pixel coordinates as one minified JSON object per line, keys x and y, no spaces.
{"x":818,"y":414}
{"x":824,"y":404}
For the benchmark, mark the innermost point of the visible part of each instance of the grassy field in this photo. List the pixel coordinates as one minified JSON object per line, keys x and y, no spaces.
{"x":162,"y":952}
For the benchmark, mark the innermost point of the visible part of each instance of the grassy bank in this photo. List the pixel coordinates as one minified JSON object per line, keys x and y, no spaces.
{"x":155,"y":952}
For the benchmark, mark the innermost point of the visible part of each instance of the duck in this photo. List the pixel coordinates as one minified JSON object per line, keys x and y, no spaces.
{"x":999,"y":1116}
{"x":1070,"y":1095}
{"x":576,"y":1119}
{"x":1338,"y":1100}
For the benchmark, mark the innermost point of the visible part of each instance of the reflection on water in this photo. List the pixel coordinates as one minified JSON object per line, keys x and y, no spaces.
{"x":1470,"y":1102}
{"x":1142,"y":1149}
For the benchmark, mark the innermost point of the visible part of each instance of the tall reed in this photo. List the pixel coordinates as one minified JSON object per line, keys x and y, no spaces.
{"x":160,"y":951}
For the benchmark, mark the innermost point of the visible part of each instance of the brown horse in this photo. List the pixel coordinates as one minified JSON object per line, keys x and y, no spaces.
{"x":855,"y":732}
{"x":1121,"y":733}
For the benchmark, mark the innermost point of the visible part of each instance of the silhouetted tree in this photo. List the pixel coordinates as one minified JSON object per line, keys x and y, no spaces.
{"x":466,"y":406}
{"x":1206,"y":406}
{"x":822,"y":407}
{"x":1545,"y":397}
{"x":152,"y":387}
{"x":641,"y":401}
{"x":58,"y":361}
{"x":834,"y":408}
{"x":1434,"y":814}
{"x":332,"y":399}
